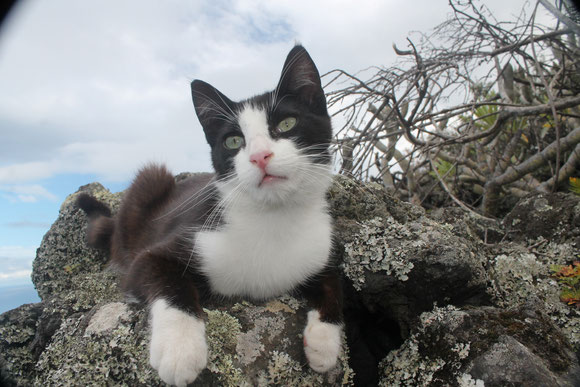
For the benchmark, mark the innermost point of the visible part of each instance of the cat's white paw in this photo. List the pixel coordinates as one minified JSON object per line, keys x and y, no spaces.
{"x":178,"y":349}
{"x":322,"y":343}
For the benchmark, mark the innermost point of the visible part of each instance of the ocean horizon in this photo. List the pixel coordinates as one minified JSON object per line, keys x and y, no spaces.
{"x":13,"y":296}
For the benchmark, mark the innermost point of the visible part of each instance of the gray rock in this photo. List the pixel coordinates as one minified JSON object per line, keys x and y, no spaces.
{"x":483,"y":346}
{"x":429,"y":301}
{"x":551,"y":216}
{"x":391,"y":248}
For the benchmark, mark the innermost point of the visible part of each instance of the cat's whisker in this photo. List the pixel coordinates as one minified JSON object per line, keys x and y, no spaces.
{"x":224,"y":203}
{"x":214,"y":217}
{"x":278,"y":102}
{"x":205,"y":193}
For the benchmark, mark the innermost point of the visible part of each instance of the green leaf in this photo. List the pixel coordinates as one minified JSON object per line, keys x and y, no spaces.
{"x":574,"y":183}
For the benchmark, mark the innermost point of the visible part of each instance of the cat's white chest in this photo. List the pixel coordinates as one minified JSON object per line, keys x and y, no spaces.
{"x":266,"y":254}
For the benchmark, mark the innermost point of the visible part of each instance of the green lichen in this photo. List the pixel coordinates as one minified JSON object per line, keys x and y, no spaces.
{"x":222,"y":331}
{"x":413,"y":365}
{"x":358,"y":201}
{"x":63,"y":255}
{"x":406,"y":367}
{"x":117,"y":356}
{"x":466,"y":380}
{"x":283,"y":370}
{"x":374,"y":248}
{"x":19,"y":365}
{"x":92,"y":289}
{"x":520,"y":274}
{"x":15,"y":334}
{"x":251,"y":343}
{"x":449,"y":346}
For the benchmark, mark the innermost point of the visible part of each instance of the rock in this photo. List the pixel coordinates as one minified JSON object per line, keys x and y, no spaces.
{"x":391,"y":248}
{"x":553,"y":216}
{"x":520,"y":273}
{"x":483,"y":346}
{"x":445,"y":298}
{"x":64,"y":261}
{"x":85,"y":330}
{"x":17,"y":331}
{"x":249,"y":344}
{"x":469,"y":225}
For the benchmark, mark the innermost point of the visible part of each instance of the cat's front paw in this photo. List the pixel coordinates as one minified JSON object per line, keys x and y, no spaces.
{"x":322,"y":343}
{"x":178,"y":349}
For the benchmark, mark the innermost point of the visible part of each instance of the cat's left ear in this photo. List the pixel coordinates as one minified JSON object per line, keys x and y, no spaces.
{"x":300,"y":77}
{"x":212,"y":107}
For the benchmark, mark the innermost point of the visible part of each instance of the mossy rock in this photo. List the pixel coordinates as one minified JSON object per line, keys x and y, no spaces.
{"x":397,"y":262}
{"x":483,"y":346}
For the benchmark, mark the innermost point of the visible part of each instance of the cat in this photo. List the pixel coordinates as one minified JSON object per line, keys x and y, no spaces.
{"x":257,"y":228}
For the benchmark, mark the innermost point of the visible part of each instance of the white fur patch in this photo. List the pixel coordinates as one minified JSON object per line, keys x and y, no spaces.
{"x":263,"y":255}
{"x":322,"y":343}
{"x":275,"y":235}
{"x":178,"y":349}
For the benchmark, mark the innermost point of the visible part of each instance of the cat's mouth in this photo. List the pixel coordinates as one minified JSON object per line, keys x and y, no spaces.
{"x":268,"y":179}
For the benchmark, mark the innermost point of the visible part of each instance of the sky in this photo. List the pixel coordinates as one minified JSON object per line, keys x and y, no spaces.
{"x":91,"y":91}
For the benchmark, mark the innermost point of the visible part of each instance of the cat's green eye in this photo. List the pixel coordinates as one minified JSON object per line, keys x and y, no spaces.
{"x":286,"y":124}
{"x":234,"y":142}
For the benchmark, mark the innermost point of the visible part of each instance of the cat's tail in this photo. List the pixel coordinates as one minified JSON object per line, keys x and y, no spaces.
{"x":101,"y":222}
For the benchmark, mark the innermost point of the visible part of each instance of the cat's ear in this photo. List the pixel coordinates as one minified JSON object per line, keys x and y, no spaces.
{"x":211,"y":106}
{"x":300,"y":77}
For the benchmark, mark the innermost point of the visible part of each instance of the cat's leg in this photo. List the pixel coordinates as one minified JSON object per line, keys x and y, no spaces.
{"x":323,"y":332}
{"x":178,"y":348}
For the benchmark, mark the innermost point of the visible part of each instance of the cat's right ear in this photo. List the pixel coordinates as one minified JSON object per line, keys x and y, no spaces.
{"x":211,"y":107}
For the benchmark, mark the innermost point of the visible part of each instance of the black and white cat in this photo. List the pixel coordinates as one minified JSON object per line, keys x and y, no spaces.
{"x":258,"y":228}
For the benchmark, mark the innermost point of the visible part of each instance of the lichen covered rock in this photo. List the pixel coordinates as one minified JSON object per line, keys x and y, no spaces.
{"x":445,"y":298}
{"x":84,"y":329}
{"x":400,"y":261}
{"x":552,"y":216}
{"x":109,"y":345}
{"x":17,"y":332}
{"x":65,"y":266}
{"x":482,"y":346}
{"x":520,"y":273}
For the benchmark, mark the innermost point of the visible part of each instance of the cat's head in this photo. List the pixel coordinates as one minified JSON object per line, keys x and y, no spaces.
{"x":273,"y":147}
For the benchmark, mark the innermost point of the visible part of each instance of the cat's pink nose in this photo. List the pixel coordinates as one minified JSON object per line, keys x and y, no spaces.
{"x":261,"y":159}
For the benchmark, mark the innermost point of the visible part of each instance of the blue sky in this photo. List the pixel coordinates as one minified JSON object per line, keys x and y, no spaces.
{"x":91,"y":91}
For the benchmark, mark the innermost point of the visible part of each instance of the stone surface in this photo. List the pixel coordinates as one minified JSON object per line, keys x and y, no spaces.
{"x":485,"y":345}
{"x":551,"y":216}
{"x":444,"y":298}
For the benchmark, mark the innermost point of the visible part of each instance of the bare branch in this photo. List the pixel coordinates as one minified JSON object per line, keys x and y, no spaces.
{"x":494,"y":98}
{"x":563,"y":18}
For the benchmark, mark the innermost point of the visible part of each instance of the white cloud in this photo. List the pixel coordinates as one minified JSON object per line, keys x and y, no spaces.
{"x":26,"y":224}
{"x":16,"y":263}
{"x":29,"y":193}
{"x":17,"y":252}
{"x":14,"y":275}
{"x":103,"y":87}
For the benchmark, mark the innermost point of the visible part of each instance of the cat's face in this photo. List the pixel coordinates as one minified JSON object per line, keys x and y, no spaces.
{"x":271,"y":148}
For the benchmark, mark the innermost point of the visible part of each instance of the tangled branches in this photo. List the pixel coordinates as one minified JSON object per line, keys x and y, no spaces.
{"x":480,"y":111}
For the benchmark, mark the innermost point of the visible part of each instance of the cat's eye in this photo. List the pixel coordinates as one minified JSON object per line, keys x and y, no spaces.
{"x":286,"y":124}
{"x":234,"y":142}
